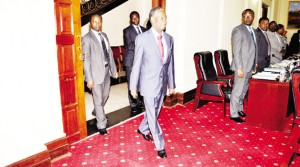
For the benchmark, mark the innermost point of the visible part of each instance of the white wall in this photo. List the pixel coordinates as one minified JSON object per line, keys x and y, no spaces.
{"x":117,"y":19}
{"x":30,"y":106}
{"x":282,"y":18}
{"x":200,"y":26}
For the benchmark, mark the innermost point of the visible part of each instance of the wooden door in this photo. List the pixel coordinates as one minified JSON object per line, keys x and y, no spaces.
{"x":68,"y":40}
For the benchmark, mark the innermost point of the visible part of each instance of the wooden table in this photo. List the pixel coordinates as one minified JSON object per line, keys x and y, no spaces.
{"x":269,"y":104}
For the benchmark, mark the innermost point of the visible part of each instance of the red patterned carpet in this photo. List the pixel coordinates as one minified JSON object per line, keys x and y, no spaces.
{"x":201,"y":138}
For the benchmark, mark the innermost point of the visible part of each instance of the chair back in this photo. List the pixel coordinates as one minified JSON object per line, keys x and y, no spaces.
{"x":296,"y":89}
{"x":204,"y":66}
{"x":116,"y":52}
{"x":222,"y":62}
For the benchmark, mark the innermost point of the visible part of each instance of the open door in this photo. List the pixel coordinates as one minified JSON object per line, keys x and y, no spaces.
{"x":68,"y":41}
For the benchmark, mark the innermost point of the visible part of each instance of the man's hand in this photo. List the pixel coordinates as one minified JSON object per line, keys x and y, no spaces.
{"x":81,"y":56}
{"x":240,"y":73}
{"x":282,"y":50}
{"x":171,"y":92}
{"x":90,"y":84}
{"x":134,"y":94}
{"x":116,"y":75}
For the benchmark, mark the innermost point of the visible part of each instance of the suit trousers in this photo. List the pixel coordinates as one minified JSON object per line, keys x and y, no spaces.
{"x":133,"y":102}
{"x":100,"y":96}
{"x":150,"y":122}
{"x":240,"y":88}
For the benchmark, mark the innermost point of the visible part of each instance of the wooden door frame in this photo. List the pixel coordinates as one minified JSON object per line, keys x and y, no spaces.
{"x":68,"y":41}
{"x":161,"y":3}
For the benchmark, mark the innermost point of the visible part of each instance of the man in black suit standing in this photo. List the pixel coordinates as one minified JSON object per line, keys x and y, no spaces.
{"x":129,"y":35}
{"x":263,"y":45}
{"x":295,"y":43}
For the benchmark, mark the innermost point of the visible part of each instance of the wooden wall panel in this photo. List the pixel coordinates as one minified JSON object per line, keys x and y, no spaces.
{"x":70,"y":68}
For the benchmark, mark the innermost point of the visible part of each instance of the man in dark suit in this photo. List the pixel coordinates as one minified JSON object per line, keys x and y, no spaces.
{"x":263,"y":45}
{"x":152,"y":73}
{"x":243,"y":63}
{"x":98,"y":66}
{"x":295,"y":43}
{"x":129,"y":35}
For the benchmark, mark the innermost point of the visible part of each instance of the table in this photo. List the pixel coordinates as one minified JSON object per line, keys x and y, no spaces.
{"x":269,"y":104}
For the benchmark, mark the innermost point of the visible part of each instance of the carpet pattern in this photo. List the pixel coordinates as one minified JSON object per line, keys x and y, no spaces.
{"x":200,"y":138}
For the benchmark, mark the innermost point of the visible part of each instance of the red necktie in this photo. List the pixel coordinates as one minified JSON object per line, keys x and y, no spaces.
{"x":161,"y":47}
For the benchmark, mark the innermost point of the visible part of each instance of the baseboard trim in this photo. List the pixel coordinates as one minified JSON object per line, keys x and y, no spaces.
{"x":186,"y":97}
{"x":55,"y":148}
{"x":180,"y":98}
{"x":41,"y":159}
{"x":170,"y":101}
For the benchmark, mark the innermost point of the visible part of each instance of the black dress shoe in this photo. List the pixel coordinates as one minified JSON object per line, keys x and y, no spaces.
{"x":94,"y":113}
{"x":140,"y":106}
{"x":241,"y":113}
{"x":133,"y":109}
{"x":102,"y":131}
{"x":237,"y":119}
{"x":146,"y":137}
{"x":162,"y":153}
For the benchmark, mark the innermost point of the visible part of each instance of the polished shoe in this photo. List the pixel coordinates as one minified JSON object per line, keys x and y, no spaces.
{"x":140,"y":106}
{"x":241,"y":113}
{"x":237,"y":119}
{"x":162,"y":153}
{"x":94,"y":113}
{"x":133,"y":109}
{"x":102,"y":131}
{"x":146,"y":137}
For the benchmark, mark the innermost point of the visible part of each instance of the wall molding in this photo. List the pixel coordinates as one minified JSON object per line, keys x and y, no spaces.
{"x":180,"y":98}
{"x":55,"y":149}
{"x":41,"y":159}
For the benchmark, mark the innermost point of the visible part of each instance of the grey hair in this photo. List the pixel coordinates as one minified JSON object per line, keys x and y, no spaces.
{"x":153,"y":11}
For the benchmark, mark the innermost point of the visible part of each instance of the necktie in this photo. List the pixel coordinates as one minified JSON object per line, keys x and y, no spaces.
{"x":106,"y":55}
{"x":139,"y":31}
{"x":161,"y":47}
{"x":252,"y":35}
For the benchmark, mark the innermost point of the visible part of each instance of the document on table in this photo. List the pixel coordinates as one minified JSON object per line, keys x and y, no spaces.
{"x":266,"y":76}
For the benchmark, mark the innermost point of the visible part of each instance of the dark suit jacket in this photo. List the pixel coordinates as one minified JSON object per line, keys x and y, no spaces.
{"x":129,"y":35}
{"x":263,"y":59}
{"x":294,"y":43}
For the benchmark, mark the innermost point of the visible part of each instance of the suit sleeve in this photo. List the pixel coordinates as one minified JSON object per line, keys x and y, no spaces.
{"x":128,"y":40}
{"x":136,"y":68}
{"x":86,"y":49}
{"x":236,"y":45}
{"x":274,"y":43}
{"x":171,"y":72}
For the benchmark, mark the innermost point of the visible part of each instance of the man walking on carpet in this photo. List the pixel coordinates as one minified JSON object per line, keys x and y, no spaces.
{"x":152,"y":73}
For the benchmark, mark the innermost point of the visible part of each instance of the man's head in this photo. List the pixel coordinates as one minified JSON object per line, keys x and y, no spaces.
{"x":263,"y":23}
{"x":96,"y":22}
{"x":280,"y":29}
{"x":273,"y":26}
{"x":134,"y":18}
{"x":247,"y":17}
{"x":158,"y":19}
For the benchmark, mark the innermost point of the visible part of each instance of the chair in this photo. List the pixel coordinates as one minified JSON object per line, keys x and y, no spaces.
{"x":208,"y":86}
{"x":223,"y":70}
{"x":295,"y":134}
{"x":222,"y":62}
{"x":122,"y":50}
{"x":116,"y":53}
